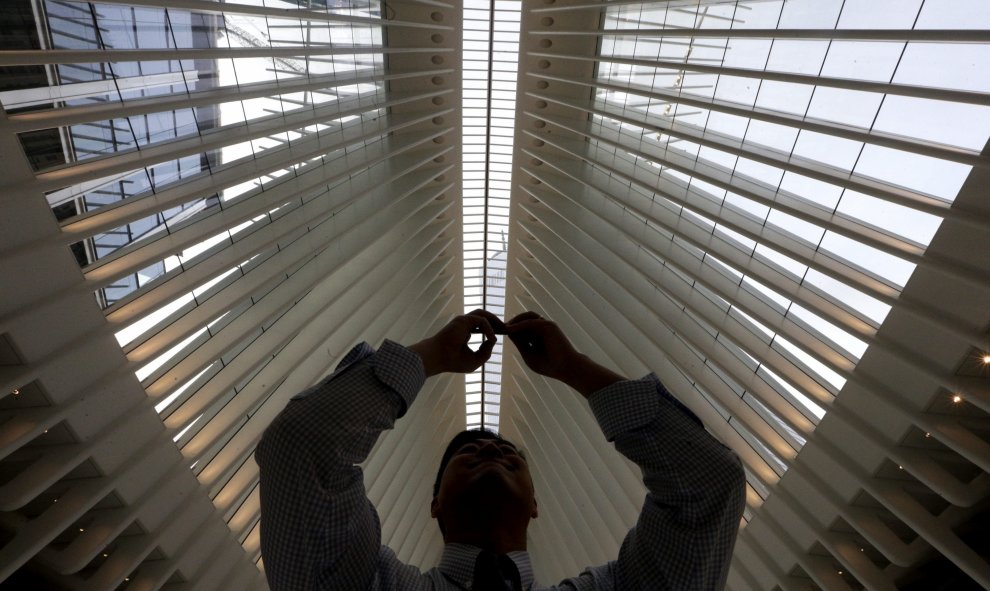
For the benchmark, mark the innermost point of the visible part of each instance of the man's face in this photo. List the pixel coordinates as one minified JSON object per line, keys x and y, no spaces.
{"x":487,"y":472}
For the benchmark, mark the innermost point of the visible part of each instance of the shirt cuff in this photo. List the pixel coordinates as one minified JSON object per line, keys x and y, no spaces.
{"x":631,"y":404}
{"x":401,"y":370}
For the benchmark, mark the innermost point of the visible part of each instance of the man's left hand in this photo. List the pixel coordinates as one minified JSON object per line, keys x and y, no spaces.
{"x":449,"y":351}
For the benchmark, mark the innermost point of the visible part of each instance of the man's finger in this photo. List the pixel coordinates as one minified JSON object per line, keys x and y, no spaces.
{"x":523,"y":317}
{"x":481,"y":324}
{"x":526,"y":336}
{"x":486,"y":349}
{"x":514,"y":327}
{"x":479,"y":357}
{"x":494,"y":321}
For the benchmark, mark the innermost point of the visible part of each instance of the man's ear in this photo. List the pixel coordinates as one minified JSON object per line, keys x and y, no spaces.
{"x":536,"y":510}
{"x":434,"y":508}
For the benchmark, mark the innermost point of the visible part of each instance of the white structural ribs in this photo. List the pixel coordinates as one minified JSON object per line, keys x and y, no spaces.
{"x":724,"y":193}
{"x":242,"y":224}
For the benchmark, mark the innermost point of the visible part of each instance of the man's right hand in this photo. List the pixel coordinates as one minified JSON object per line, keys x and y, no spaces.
{"x":542,"y":345}
{"x":547,"y":351}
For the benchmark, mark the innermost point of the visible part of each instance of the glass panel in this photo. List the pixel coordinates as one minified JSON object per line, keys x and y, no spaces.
{"x":491,"y":42}
{"x":775,"y":215}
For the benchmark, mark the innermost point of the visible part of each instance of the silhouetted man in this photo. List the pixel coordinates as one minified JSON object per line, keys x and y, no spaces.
{"x":319,"y":531}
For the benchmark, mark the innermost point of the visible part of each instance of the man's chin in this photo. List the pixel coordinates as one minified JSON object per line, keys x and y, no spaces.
{"x":493,"y":481}
{"x":487,"y":464}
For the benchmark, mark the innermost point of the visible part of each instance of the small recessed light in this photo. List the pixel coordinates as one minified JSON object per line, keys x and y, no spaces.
{"x":928,"y":434}
{"x":15,"y":392}
{"x":900,"y":467}
{"x":986,"y":359}
{"x":82,"y":529}
{"x":956,"y":399}
{"x":840,"y":572}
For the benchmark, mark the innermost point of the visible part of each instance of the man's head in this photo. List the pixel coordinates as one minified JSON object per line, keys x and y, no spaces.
{"x":481,"y":475}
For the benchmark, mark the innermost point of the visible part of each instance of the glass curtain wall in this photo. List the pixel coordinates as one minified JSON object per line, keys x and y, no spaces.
{"x":737,"y":195}
{"x":764,"y":147}
{"x":237,"y":180}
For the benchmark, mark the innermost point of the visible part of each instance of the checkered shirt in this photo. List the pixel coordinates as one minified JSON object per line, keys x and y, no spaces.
{"x":320,"y":532}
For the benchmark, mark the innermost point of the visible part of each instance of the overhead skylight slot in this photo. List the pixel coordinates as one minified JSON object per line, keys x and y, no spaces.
{"x":491,"y":50}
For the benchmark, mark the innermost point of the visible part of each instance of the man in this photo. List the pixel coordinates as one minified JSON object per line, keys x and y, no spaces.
{"x":319,"y":531}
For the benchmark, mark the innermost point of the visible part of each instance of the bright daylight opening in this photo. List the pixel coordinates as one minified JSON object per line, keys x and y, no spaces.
{"x":491,"y":52}
{"x":775,"y":145}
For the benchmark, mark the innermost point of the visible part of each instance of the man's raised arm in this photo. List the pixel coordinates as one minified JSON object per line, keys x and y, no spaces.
{"x":318,"y":529}
{"x":684,"y":537}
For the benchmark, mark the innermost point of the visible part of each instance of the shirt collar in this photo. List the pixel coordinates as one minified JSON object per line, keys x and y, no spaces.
{"x":457,"y":564}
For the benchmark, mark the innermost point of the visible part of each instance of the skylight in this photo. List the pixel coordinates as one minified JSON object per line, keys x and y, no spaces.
{"x":777,"y":170}
{"x":804,"y":170}
{"x":491,"y":49}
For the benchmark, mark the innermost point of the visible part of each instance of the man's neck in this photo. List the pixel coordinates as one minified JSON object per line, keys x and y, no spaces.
{"x":498,"y":540}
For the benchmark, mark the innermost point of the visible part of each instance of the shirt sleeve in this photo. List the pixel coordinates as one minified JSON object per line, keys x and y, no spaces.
{"x":318,"y":529}
{"x":685,"y":533}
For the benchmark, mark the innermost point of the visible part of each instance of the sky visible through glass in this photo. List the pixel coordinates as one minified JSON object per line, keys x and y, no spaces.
{"x":741,"y":106}
{"x":246,"y":31}
{"x":810,"y":182}
{"x":491,"y":53}
{"x":758,"y":126}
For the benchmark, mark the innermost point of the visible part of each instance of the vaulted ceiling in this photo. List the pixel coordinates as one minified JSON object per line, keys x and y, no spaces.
{"x":778,"y":207}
